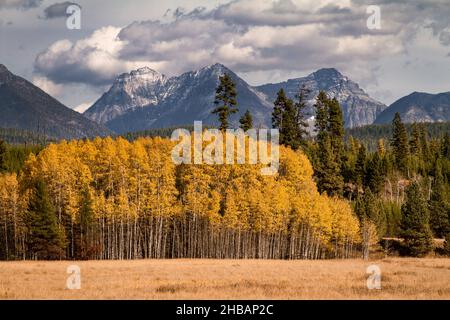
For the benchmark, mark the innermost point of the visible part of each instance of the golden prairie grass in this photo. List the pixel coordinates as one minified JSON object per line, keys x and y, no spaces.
{"x":402,"y":278}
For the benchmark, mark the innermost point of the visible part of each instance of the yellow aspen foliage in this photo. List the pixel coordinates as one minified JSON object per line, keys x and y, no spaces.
{"x":127,"y":200}
{"x":345,"y":225}
{"x":12,"y":224}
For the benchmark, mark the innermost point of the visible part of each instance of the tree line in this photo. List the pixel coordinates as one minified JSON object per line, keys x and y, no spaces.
{"x":125,"y":199}
{"x":399,"y":189}
{"x":370,"y":135}
{"x":115,"y":199}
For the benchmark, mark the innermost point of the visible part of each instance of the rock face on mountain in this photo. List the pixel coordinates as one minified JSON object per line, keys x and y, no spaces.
{"x":358,"y":108}
{"x":145,"y":99}
{"x":175,"y":101}
{"x":419,"y":107}
{"x":130,"y":91}
{"x":25,"y":106}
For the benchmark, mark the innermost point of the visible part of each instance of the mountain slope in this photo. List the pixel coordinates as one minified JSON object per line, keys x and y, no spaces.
{"x":145,"y":99}
{"x":419,"y":107}
{"x":129,"y":91}
{"x":25,"y":106}
{"x":179,"y":101}
{"x":358,"y":108}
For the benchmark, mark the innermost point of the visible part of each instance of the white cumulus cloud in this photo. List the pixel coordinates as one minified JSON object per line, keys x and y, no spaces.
{"x":93,"y":60}
{"x":249,"y":36}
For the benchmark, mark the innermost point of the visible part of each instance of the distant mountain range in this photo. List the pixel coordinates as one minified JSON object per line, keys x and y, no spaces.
{"x":145,"y":99}
{"x":25,"y":106}
{"x":358,"y":108}
{"x":419,"y":107}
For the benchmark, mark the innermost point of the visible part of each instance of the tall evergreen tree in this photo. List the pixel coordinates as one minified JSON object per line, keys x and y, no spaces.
{"x":301,"y":123}
{"x":336,"y":129}
{"x":322,"y":115}
{"x":445,"y":146}
{"x":360,"y":165}
{"x":328,"y":175}
{"x":278,"y":109}
{"x":438,"y":205}
{"x":415,"y":226}
{"x":246,"y":121}
{"x":329,"y":165}
{"x":284,"y":117}
{"x":45,"y":240}
{"x":424,"y":145}
{"x":374,"y":177}
{"x":414,"y":142}
{"x":225,"y":100}
{"x":374,"y":212}
{"x":399,"y":143}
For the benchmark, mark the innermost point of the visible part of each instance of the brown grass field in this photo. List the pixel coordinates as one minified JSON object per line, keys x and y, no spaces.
{"x":402,"y":278}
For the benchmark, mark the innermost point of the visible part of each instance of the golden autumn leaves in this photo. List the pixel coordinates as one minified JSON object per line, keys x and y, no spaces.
{"x":145,"y":206}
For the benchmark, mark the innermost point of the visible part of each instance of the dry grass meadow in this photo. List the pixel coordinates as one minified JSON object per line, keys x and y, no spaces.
{"x":402,"y":278}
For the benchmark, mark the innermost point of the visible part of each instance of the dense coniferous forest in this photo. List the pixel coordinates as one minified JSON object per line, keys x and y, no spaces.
{"x":370,"y":135}
{"x":19,"y":136}
{"x":337,"y":194}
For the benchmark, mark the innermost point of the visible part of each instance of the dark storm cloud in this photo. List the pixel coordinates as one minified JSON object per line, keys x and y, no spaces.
{"x":58,"y":10}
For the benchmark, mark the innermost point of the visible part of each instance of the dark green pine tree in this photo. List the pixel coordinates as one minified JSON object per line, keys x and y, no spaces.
{"x":374,"y":177}
{"x":360,"y":165}
{"x":415,"y":228}
{"x":424,"y":143}
{"x":439,"y":206}
{"x":374,"y":212}
{"x":278,"y":109}
{"x":246,"y":121}
{"x":414,"y":142}
{"x":336,"y":129}
{"x":322,"y":115}
{"x":289,"y":131}
{"x":2,"y":156}
{"x":351,"y":154}
{"x":302,"y":124}
{"x":284,"y":119}
{"x":328,"y":178}
{"x":225,"y":100}
{"x":445,"y":146}
{"x":328,"y":169}
{"x":399,"y":143}
{"x":45,"y":240}
{"x":323,"y":154}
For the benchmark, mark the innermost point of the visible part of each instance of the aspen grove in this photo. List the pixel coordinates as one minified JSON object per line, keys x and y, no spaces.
{"x":115,"y":199}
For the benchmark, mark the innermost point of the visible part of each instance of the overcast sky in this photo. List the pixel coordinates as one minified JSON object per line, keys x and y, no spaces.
{"x":262,"y":40}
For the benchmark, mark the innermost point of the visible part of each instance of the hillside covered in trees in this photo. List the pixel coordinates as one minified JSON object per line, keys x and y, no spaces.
{"x":371,"y":135}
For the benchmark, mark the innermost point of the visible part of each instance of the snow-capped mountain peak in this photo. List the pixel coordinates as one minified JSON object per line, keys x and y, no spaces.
{"x":357,"y":106}
{"x":136,"y":89}
{"x":144,"y":74}
{"x":144,"y":98}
